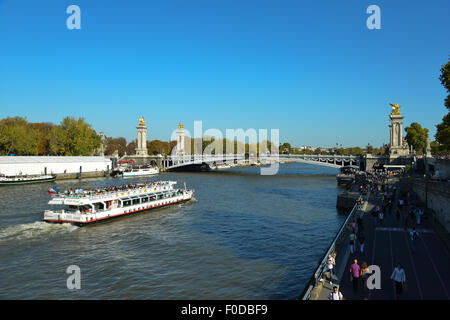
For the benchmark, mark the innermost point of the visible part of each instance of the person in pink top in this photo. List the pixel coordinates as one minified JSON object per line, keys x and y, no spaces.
{"x":354,"y":274}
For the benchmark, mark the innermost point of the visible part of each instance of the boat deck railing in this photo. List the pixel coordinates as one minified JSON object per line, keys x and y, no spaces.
{"x":98,"y":210}
{"x":92,"y":195}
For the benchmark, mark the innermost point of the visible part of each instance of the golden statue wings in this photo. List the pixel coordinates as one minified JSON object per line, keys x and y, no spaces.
{"x":395,"y":108}
{"x":141,"y":121}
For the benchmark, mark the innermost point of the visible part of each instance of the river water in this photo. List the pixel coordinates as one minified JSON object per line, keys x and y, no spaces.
{"x":245,"y":236}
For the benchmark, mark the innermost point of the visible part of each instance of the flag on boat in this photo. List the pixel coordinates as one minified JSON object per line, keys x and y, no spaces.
{"x":53,"y":190}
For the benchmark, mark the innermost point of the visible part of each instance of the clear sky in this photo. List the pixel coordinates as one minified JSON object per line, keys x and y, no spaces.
{"x":311,"y":69}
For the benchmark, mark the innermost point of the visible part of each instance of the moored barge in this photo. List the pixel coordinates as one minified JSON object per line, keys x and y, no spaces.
{"x":14,"y":180}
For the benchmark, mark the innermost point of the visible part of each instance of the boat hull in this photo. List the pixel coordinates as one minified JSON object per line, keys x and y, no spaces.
{"x":16,"y":182}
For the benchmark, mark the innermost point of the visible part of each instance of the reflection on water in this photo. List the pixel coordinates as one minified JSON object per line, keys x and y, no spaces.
{"x":246,"y":236}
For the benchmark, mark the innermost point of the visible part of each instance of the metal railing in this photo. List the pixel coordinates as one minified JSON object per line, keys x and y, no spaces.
{"x":315,"y":278}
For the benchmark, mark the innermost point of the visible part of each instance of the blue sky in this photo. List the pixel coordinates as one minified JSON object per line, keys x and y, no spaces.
{"x":309,"y":68}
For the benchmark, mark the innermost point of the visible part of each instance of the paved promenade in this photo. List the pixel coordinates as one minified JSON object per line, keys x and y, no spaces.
{"x":427,"y":270}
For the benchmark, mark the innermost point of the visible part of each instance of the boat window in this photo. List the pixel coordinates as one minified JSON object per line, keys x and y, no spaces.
{"x":99,"y":206}
{"x":127,"y":203}
{"x":71,"y":208}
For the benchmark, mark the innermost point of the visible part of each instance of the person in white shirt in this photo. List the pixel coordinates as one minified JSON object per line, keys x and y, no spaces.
{"x":335,"y":294}
{"x":399,"y":277}
{"x":330,"y":266}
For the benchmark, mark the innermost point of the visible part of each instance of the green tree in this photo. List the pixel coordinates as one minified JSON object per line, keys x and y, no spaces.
{"x":443,"y":129}
{"x":356,"y":151}
{"x":445,"y":80}
{"x":57,"y":141}
{"x":285,"y":147}
{"x":43,"y":134}
{"x":131,"y":147}
{"x":436,"y":148}
{"x":443,"y":134}
{"x":17,"y":137}
{"x":113,"y":144}
{"x":74,"y":137}
{"x":417,"y":137}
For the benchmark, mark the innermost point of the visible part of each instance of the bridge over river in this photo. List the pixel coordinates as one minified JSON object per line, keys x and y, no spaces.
{"x":203,"y":162}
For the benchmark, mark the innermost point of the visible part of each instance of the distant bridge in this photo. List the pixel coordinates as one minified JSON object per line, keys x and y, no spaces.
{"x":202,"y":162}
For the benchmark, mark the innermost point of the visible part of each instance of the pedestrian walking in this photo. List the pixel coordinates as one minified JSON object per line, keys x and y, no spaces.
{"x":352,"y":242}
{"x":364,"y":274}
{"x":419,"y":213}
{"x":375,"y":215}
{"x":406,"y":222}
{"x":354,"y":274}
{"x":413,"y":235}
{"x":399,"y":277}
{"x":331,"y":262}
{"x":400,"y":203}
{"x":361,"y":240}
{"x":359,"y":222}
{"x":381,"y":217}
{"x":412,"y":214}
{"x":353,"y":224}
{"x":335,"y":294}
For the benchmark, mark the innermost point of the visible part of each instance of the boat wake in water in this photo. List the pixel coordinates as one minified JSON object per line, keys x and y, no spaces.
{"x":34,"y":230}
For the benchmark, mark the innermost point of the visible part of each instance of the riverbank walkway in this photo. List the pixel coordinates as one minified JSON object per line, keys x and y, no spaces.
{"x":427,"y":269}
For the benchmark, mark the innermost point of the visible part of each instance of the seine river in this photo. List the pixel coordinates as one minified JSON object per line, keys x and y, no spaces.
{"x":246,"y":236}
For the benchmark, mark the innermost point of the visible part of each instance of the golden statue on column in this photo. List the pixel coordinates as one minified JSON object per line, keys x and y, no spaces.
{"x":395,"y":109}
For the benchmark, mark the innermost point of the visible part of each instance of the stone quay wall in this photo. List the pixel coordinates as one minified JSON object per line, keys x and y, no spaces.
{"x":434,"y":194}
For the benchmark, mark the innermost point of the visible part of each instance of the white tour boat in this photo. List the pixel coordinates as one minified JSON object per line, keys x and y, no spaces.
{"x":81,"y":207}
{"x":138,"y":172}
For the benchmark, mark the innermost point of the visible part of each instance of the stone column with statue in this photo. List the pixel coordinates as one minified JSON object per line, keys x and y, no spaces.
{"x":398,"y":145}
{"x":180,"y":140}
{"x":141,"y":147}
